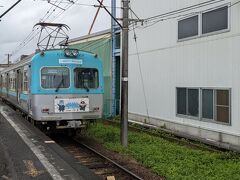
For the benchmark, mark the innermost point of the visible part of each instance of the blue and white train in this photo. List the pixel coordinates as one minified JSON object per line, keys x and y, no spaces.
{"x":56,"y":88}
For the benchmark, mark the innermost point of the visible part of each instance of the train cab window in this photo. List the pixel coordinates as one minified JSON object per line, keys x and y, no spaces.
{"x":86,"y":78}
{"x":55,"y":77}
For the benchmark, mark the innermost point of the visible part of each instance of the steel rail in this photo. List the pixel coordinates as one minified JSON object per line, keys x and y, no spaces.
{"x":110,"y":160}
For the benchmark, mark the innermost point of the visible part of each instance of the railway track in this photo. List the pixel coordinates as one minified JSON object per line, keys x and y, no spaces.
{"x":101,"y":165}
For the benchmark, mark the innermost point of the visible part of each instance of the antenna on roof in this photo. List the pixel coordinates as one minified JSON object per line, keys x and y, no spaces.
{"x":52,"y":35}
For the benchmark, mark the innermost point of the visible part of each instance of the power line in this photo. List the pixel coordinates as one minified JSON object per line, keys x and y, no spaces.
{"x":9,"y":9}
{"x":140,"y":67}
{"x":92,"y":43}
{"x":84,"y":4}
{"x":32,"y":35}
{"x":199,"y":5}
{"x":149,"y":23}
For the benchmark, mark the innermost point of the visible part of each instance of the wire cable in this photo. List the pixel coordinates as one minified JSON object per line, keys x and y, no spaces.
{"x":148,"y":23}
{"x":32,"y":35}
{"x":140,"y":68}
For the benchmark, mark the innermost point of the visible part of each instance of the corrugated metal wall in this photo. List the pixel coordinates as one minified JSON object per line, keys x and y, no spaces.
{"x":102,"y":47}
{"x":207,"y":62}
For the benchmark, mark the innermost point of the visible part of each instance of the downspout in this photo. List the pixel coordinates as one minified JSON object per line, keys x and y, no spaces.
{"x":113,"y":31}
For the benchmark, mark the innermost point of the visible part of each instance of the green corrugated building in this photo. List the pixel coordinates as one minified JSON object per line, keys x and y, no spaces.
{"x":101,"y":44}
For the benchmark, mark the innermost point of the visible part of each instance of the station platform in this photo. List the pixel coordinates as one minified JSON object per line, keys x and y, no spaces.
{"x":27,"y":153}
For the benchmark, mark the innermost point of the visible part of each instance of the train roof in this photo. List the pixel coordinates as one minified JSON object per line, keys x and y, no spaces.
{"x":22,"y":62}
{"x":28,"y":59}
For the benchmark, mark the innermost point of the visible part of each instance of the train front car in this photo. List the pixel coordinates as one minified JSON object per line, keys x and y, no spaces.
{"x":66,"y":88}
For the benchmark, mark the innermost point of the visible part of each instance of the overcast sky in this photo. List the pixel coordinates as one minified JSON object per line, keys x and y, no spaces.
{"x":18,"y":23}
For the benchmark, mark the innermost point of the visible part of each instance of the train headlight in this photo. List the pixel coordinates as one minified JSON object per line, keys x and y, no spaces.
{"x":68,"y":52}
{"x":75,"y":52}
{"x":71,"y":52}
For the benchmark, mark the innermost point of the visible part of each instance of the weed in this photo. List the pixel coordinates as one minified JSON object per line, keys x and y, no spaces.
{"x":169,"y":159}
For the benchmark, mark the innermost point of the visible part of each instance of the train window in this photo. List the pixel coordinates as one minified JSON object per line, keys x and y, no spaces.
{"x":12,"y":81}
{"x":55,"y":77}
{"x":86,"y":78}
{"x":25,"y":81}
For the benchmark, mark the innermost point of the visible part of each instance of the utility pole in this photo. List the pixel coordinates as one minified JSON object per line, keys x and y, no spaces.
{"x":124,"y":91}
{"x":8,"y":63}
{"x":8,"y":59}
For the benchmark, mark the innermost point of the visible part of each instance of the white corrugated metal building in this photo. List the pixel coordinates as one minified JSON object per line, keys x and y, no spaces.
{"x":184,"y":74}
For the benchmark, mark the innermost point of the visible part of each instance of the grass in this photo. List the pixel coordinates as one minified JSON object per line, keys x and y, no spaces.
{"x":168,"y":159}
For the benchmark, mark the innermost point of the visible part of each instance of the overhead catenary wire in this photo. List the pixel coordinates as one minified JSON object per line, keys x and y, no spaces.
{"x":37,"y":30}
{"x":84,"y":4}
{"x":93,"y":43}
{"x":148,"y":22}
{"x":32,"y":34}
{"x":140,"y":67}
{"x":9,"y":9}
{"x":192,"y":7}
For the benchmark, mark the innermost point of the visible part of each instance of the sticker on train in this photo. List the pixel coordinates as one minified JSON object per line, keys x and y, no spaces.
{"x":71,"y":105}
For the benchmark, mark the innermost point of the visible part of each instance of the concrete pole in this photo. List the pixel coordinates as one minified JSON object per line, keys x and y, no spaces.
{"x":124,"y":97}
{"x":8,"y":57}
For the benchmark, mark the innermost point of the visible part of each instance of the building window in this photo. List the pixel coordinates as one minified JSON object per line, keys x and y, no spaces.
{"x":118,"y":40}
{"x":214,"y":104}
{"x":207,"y":103}
{"x":188,"y":27}
{"x":188,"y":101}
{"x":193,"y":102}
{"x":215,"y":20}
{"x":182,"y":101}
{"x":222,"y":106}
{"x":211,"y":21}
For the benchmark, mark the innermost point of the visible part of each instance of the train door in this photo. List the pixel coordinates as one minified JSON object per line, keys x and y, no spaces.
{"x":19,"y":84}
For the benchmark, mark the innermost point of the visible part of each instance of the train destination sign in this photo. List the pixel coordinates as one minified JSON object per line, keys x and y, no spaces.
{"x":70,"y":61}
